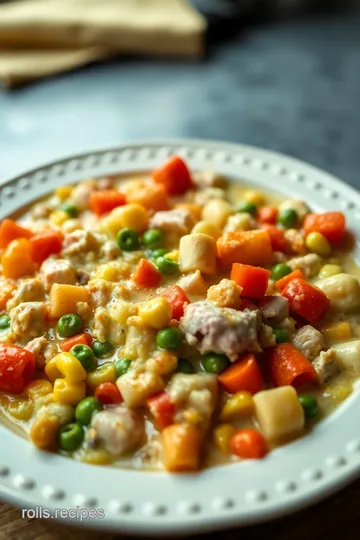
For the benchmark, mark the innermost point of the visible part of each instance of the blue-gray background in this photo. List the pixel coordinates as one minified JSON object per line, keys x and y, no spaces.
{"x":292,"y":87}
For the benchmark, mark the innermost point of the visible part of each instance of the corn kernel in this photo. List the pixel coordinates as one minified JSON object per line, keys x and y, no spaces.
{"x":21,"y":409}
{"x":156,"y":312}
{"x":222,"y":436}
{"x":58,"y":217}
{"x":338,"y":331}
{"x":70,"y":367}
{"x":173,"y":255}
{"x":329,"y":270}
{"x":205,"y":227}
{"x":63,"y":192}
{"x":94,"y":456}
{"x":69,"y":392}
{"x":51,"y":370}
{"x":254,"y":197}
{"x":104,"y":373}
{"x":133,"y":216}
{"x":38,"y":388}
{"x":317,"y":243}
{"x":237,"y":406}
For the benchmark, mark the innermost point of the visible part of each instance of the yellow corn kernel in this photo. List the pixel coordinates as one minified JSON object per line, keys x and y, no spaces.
{"x":44,"y":431}
{"x":205,"y":227}
{"x":94,"y":456}
{"x":222,"y":435}
{"x":338,"y":331}
{"x":329,"y":270}
{"x":173,"y":255}
{"x":133,"y":216}
{"x":69,"y":392}
{"x":156,"y":312}
{"x":51,"y":370}
{"x":237,"y":406}
{"x":254,"y":197}
{"x":58,"y":217}
{"x":104,"y":373}
{"x":317,"y":243}
{"x":70,"y":367}
{"x":38,"y":389}
{"x":21,"y":409}
{"x":63,"y":192}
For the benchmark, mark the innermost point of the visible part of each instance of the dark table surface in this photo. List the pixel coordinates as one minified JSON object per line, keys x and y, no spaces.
{"x":292,"y":87}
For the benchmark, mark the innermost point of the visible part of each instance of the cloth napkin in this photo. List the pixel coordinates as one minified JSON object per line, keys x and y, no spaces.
{"x":43,"y":37}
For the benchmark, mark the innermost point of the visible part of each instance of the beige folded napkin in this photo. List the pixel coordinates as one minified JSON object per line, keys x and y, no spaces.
{"x":43,"y":37}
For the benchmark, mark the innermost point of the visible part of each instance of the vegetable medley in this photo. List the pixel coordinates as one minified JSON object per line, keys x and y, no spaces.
{"x":173,"y":321}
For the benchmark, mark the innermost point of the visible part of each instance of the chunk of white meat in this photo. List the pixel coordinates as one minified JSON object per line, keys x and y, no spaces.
{"x":347,"y":355}
{"x":242,"y":221}
{"x":327,"y":363}
{"x":309,"y":264}
{"x":309,"y":341}
{"x":208,"y":179}
{"x":178,"y":221}
{"x":38,"y":346}
{"x":193,"y":284}
{"x":194,"y":397}
{"x":279,"y":413}
{"x":221,"y":330}
{"x":294,"y":241}
{"x":106,"y":328}
{"x":57,"y":271}
{"x":79,"y":242}
{"x":42,"y":210}
{"x":80,"y":195}
{"x":274,"y":308}
{"x":140,"y":339}
{"x":100,"y":292}
{"x":110,"y":251}
{"x":118,"y":429}
{"x":299,"y":206}
{"x":225,"y":294}
{"x":266,"y":336}
{"x":343,"y":291}
{"x":203,"y":196}
{"x":137,"y":384}
{"x":28,"y":291}
{"x":197,"y":252}
{"x":28,"y":320}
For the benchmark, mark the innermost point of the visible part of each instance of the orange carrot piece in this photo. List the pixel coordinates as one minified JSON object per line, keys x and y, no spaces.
{"x":146,"y":274}
{"x":79,"y":339}
{"x":243,"y":375}
{"x":248,"y":444}
{"x":306,"y":300}
{"x":10,"y":230}
{"x":178,"y":300}
{"x":277,"y":236}
{"x":253,"y":279}
{"x":281,"y":283}
{"x":162,"y":409}
{"x":181,"y":444}
{"x":16,"y":260}
{"x":45,"y":244}
{"x":248,"y":247}
{"x":288,"y":366}
{"x":174,"y":175}
{"x":330,"y":224}
{"x":267,"y":214}
{"x":150,"y":195}
{"x":102,"y":202}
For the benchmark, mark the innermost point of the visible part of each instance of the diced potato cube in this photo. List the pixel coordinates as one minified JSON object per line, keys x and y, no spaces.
{"x":197,"y":252}
{"x":63,"y":299}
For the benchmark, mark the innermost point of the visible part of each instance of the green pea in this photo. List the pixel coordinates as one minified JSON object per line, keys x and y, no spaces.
{"x":169,"y":338}
{"x":309,"y":404}
{"x":85,"y":409}
{"x":279,"y":271}
{"x":85,"y":355}
{"x":288,"y":218}
{"x":4,"y":322}
{"x":71,"y":437}
{"x":127,"y":240}
{"x":184,"y":366}
{"x":69,"y":325}
{"x":165,"y":266}
{"x":214,"y":363}
{"x":157,"y":253}
{"x":103,"y":350}
{"x":281,"y":335}
{"x":121,"y":366}
{"x":70,"y":209}
{"x":152,"y":238}
{"x":247,"y":207}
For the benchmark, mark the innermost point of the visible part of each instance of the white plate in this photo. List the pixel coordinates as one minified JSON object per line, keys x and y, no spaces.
{"x":290,"y":478}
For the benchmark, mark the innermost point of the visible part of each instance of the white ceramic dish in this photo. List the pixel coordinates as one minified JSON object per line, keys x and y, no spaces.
{"x":290,"y":478}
